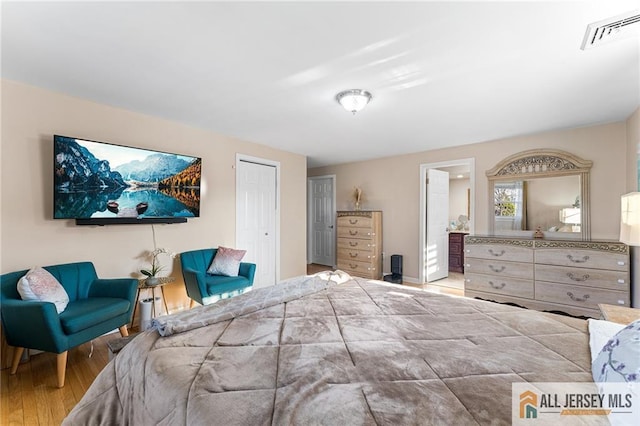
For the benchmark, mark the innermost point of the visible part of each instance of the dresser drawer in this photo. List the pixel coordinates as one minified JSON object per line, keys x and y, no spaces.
{"x":583,"y":258}
{"x":614,"y":280}
{"x":499,"y":252}
{"x":355,"y":222}
{"x":455,"y":247}
{"x":357,"y":255}
{"x":354,"y":244}
{"x":587,"y":297}
{"x":456,"y":237}
{"x":499,"y":268}
{"x":358,"y":233}
{"x":499,"y":285}
{"x":357,"y":267}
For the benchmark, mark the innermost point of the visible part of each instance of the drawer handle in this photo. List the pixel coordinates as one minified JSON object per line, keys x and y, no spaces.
{"x":497,"y":270}
{"x":577,"y":299}
{"x":584,"y":259}
{"x":353,"y":232}
{"x":353,"y":221}
{"x":579,"y":279}
{"x":353,"y":266}
{"x":496,"y":254}
{"x":497,"y":287}
{"x":353,"y":254}
{"x":352,"y":244}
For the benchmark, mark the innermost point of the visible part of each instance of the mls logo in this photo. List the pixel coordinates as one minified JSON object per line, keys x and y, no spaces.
{"x":528,"y":405}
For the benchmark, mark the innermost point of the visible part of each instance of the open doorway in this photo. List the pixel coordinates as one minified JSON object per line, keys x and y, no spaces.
{"x":459,"y":204}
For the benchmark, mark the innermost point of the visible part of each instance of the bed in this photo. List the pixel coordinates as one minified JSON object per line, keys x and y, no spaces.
{"x":332,"y":349}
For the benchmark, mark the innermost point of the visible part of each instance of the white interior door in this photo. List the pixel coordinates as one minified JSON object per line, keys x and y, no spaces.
{"x":322,"y":239}
{"x":256,"y":212}
{"x":437,"y":251}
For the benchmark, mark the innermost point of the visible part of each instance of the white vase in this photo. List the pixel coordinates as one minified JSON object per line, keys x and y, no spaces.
{"x":152,"y":281}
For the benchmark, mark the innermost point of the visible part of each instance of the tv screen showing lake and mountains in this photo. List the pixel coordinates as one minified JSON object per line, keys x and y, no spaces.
{"x":102,"y":180}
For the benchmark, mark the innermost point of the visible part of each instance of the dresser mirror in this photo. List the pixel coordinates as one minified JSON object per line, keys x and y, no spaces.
{"x":546,"y":189}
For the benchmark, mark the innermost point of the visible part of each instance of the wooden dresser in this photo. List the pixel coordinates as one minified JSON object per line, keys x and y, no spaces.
{"x":550,"y":275}
{"x":456,"y":251}
{"x":360,"y":243}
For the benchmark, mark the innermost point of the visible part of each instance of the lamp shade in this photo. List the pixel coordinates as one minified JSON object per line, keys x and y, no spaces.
{"x":570,"y":216}
{"x":353,"y":100}
{"x":630,"y":219}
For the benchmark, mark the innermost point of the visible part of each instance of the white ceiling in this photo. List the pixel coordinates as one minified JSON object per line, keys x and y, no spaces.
{"x":441,"y":73}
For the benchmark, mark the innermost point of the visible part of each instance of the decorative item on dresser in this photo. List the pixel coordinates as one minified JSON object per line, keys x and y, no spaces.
{"x":568,"y":276}
{"x":456,"y":251}
{"x":360,"y":243}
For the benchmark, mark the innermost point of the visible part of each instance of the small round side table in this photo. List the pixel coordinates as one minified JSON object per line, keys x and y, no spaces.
{"x":142,"y":285}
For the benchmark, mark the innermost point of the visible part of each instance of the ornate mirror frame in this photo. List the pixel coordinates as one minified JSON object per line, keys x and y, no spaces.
{"x":543,"y":163}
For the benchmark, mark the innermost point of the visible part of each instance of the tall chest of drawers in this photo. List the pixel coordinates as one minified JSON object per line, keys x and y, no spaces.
{"x":567,"y":276}
{"x":360,"y":243}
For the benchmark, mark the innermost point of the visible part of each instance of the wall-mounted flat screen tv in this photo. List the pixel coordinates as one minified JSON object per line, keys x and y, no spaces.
{"x":98,"y":180}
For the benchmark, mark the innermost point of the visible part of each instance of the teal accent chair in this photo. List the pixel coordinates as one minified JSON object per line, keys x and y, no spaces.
{"x":206,"y":288}
{"x":96,"y":306}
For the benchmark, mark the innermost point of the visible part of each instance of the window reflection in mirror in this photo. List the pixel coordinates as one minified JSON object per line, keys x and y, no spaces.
{"x":553,"y":204}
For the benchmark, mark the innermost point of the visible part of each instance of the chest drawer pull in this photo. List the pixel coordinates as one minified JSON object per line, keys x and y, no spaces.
{"x":574,"y":278}
{"x":353,"y":254}
{"x":353,"y":221}
{"x":620,"y":281}
{"x":353,"y":244}
{"x":497,"y":270}
{"x":497,"y":287}
{"x":353,"y":232}
{"x":496,"y":254}
{"x":584,"y":259}
{"x":577,"y":299}
{"x":353,"y":266}
{"x":621,"y":263}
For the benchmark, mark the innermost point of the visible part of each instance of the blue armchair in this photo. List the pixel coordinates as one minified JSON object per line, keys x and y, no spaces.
{"x":205,"y":288}
{"x":96,"y":306}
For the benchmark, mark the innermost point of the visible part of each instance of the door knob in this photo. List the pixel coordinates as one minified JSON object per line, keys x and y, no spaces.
{"x":330,"y":226}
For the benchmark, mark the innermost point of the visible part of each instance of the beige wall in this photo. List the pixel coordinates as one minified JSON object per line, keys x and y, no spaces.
{"x":458,"y":198}
{"x":633,"y":150}
{"x":392,"y":184}
{"x":633,"y":156}
{"x":30,"y":116}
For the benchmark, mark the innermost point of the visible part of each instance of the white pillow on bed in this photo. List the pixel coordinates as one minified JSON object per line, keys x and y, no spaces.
{"x":600,"y":332}
{"x":618,"y":364}
{"x":619,"y":359}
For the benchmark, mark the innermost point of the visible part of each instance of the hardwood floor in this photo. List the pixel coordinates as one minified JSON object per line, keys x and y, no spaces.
{"x":454,"y":284}
{"x":31,"y":396}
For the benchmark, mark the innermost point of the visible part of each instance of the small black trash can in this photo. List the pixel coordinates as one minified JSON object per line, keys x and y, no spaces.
{"x":396,"y":270}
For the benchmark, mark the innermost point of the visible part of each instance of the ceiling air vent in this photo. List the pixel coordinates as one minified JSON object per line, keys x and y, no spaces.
{"x":610,"y":29}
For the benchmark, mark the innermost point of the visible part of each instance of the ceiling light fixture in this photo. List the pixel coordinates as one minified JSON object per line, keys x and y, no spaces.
{"x":354,"y":100}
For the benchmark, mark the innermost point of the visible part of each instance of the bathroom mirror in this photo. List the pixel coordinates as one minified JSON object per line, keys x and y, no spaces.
{"x":547,"y":188}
